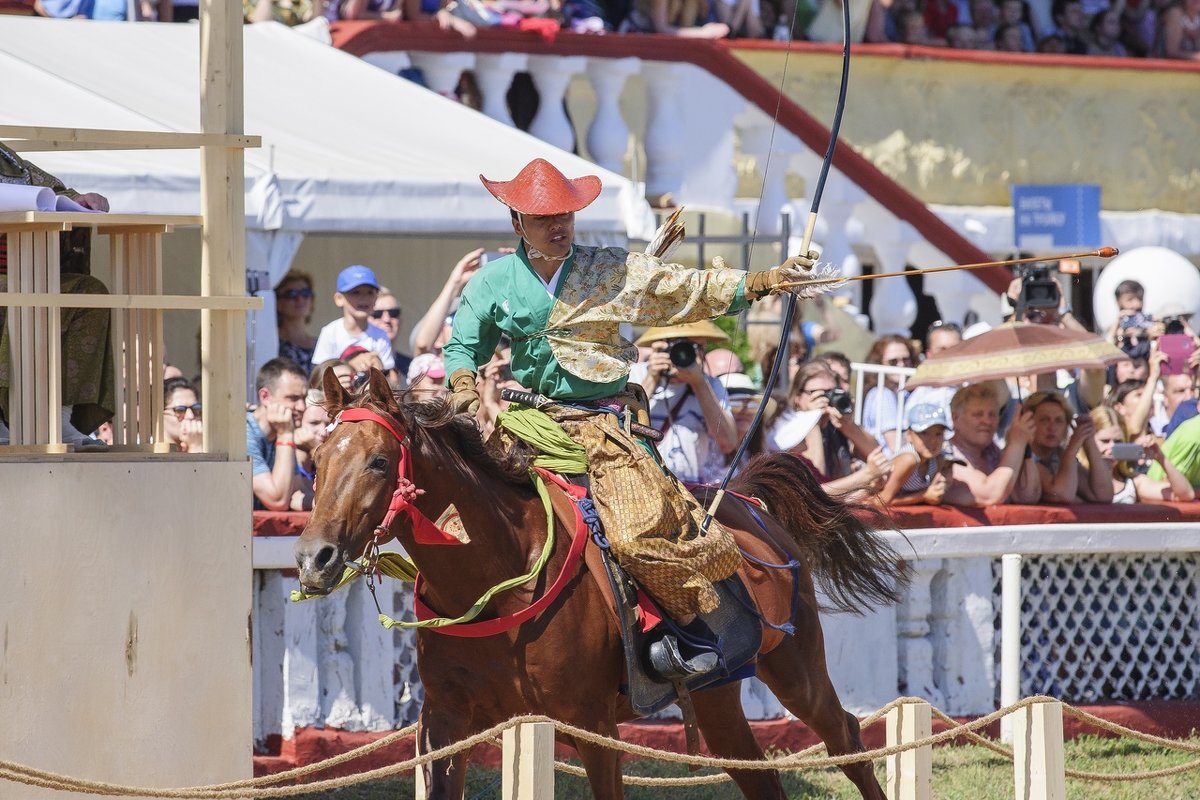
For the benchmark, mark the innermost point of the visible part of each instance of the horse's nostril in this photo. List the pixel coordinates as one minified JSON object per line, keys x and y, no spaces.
{"x":324,"y":556}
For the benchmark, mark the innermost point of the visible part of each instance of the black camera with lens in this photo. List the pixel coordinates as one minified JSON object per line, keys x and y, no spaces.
{"x":840,"y":399}
{"x":682,"y":353}
{"x":1040,"y":293}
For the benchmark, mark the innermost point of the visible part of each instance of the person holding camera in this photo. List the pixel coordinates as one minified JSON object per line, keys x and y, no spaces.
{"x":818,"y":427}
{"x":1129,"y":464}
{"x":1063,"y":477}
{"x":1037,"y":298}
{"x":690,"y":408}
{"x":990,"y":474}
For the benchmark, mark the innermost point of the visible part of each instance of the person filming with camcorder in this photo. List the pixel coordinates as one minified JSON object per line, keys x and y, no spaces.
{"x":1036,"y":296}
{"x":689,"y":407}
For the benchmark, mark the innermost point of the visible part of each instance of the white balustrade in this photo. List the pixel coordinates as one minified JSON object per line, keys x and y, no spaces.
{"x":665,"y":129}
{"x":839,"y":204}
{"x":775,"y":152}
{"x":392,"y":61}
{"x":442,"y":70}
{"x":938,"y":643}
{"x":494,"y":74}
{"x":708,"y":144}
{"x":893,"y":305}
{"x":551,"y":75}
{"x":608,"y":135}
{"x":915,"y":650}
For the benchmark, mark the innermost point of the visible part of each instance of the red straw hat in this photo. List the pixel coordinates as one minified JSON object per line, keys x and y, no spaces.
{"x":540,"y":189}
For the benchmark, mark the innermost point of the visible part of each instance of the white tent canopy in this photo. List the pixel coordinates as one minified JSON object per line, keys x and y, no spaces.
{"x":346,"y":146}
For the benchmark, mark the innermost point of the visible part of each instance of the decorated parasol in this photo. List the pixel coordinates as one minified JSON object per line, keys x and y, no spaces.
{"x":1015,"y":349}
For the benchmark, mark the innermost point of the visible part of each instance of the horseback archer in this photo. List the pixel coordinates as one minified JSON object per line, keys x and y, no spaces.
{"x":561,"y":303}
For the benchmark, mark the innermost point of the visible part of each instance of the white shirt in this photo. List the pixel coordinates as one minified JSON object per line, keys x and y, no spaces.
{"x":334,"y":339}
{"x":687,"y":449}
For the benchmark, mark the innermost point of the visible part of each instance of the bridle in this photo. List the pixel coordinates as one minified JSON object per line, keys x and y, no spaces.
{"x":424,"y":530}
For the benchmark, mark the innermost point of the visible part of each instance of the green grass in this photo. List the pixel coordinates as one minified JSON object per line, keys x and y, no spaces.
{"x":959,"y":773}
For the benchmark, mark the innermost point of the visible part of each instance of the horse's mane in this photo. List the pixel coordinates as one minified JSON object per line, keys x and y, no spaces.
{"x":456,"y":437}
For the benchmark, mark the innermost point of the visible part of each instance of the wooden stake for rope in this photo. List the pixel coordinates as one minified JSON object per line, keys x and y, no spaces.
{"x":910,"y":774}
{"x":1039,"y":769}
{"x":528,"y":762}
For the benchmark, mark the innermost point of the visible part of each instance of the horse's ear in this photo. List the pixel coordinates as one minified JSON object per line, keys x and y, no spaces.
{"x":380,"y":390}
{"x":336,"y":396}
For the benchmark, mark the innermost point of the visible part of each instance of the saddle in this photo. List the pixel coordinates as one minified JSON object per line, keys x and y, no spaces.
{"x":736,"y":625}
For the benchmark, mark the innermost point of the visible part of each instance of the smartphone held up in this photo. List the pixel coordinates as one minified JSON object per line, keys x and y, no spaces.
{"x":1128,"y":451}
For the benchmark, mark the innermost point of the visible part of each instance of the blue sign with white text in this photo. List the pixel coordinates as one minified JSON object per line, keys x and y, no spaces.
{"x":1064,"y":215}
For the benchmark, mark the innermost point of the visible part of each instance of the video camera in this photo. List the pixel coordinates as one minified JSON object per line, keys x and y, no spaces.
{"x":1040,"y":293}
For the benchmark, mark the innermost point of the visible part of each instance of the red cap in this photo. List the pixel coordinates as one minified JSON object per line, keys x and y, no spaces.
{"x":542,"y":190}
{"x":353,"y":350}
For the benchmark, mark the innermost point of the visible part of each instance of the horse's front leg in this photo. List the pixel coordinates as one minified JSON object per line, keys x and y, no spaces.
{"x":444,"y":778}
{"x":603,"y":765}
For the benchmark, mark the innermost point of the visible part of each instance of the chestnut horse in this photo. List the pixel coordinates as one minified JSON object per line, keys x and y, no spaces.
{"x":567,"y":662}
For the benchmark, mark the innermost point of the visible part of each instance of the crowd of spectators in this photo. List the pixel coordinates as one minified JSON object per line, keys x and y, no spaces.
{"x":1150,"y":28}
{"x":1131,"y":434}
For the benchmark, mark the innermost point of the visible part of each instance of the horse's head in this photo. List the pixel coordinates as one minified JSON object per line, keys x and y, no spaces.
{"x":356,"y":476}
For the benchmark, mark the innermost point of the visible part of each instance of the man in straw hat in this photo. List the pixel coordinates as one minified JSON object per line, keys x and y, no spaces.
{"x":561,"y":305}
{"x":687,"y":405}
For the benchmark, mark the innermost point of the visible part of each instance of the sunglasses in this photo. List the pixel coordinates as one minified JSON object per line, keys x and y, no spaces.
{"x":378,"y":313}
{"x":181,"y":411}
{"x":296,"y":294}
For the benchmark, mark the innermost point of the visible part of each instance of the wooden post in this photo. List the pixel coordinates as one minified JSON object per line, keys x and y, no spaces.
{"x":529,"y":762}
{"x":421,"y":790}
{"x":1039,"y":769}
{"x":1010,"y":639}
{"x":910,"y":774}
{"x":223,"y":254}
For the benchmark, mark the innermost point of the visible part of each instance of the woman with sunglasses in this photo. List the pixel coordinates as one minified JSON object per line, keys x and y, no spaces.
{"x":182,"y":422}
{"x":293,"y":312}
{"x":881,"y":406}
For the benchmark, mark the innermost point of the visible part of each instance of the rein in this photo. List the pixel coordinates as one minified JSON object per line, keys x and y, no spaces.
{"x":374,"y":563}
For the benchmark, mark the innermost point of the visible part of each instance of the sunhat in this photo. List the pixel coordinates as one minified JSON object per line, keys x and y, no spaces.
{"x":540,"y":189}
{"x":738,"y":383}
{"x":703,"y":331}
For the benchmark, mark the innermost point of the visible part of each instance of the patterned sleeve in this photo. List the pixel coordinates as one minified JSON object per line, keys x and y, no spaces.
{"x":634,"y":287}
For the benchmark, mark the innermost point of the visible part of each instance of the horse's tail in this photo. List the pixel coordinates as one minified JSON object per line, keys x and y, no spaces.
{"x":853,"y":565}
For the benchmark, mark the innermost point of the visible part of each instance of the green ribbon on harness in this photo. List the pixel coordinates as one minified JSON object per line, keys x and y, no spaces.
{"x":559,"y":453}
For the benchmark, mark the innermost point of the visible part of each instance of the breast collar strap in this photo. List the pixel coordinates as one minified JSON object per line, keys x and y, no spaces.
{"x":424,"y":530}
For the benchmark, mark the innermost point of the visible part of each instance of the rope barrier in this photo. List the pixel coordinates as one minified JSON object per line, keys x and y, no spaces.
{"x":261,"y":787}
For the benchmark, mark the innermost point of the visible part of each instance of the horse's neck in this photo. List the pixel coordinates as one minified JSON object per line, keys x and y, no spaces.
{"x":506,"y":525}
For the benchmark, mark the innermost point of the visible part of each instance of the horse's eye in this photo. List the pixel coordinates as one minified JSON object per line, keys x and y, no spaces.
{"x":378,"y":464}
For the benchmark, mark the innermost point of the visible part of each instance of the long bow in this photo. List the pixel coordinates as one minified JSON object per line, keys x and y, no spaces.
{"x":789,"y":301}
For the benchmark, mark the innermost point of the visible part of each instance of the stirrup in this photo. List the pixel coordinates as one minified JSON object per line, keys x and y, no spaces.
{"x":670,"y":663}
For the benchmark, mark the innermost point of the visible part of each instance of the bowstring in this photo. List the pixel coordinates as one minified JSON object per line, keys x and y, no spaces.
{"x":789,"y":301}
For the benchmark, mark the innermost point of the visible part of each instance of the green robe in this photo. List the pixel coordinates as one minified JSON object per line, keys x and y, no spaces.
{"x":568,"y":346}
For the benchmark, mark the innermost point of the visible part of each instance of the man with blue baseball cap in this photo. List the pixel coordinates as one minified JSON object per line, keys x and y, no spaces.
{"x":357,"y":289}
